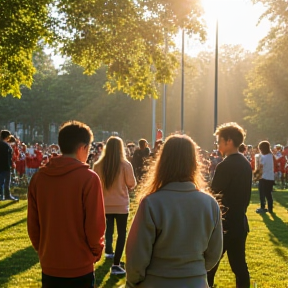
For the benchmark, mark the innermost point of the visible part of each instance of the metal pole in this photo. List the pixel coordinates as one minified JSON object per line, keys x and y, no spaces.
{"x":216,"y":81}
{"x":153,"y":121}
{"x":164,"y":112}
{"x":182,"y":86}
{"x":164,"y":99}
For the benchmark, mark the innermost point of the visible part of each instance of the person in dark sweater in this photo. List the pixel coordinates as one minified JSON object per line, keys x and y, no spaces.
{"x":232,"y":184}
{"x":6,"y":153}
{"x":139,"y":157}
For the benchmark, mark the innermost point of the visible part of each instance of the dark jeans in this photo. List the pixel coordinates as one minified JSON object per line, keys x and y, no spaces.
{"x":5,"y":184}
{"x":85,"y":281}
{"x":235,"y":247}
{"x":121,"y":224}
{"x":265,"y":191}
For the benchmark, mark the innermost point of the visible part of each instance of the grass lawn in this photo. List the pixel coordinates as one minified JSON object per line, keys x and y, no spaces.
{"x":267,"y":248}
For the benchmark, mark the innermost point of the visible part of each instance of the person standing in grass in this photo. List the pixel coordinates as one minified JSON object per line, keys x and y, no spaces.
{"x":232,"y":183}
{"x":6,"y":153}
{"x":176,"y":235}
{"x":66,"y":219}
{"x":266,"y":182}
{"x":117,"y":177}
{"x":139,"y":158}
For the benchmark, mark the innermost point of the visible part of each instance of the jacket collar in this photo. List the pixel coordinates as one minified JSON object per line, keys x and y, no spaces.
{"x":180,"y":186}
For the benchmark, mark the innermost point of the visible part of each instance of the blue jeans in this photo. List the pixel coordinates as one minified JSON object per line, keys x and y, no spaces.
{"x":5,"y":184}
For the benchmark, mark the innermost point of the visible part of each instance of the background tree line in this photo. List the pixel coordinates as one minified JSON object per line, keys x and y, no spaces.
{"x":57,"y":96}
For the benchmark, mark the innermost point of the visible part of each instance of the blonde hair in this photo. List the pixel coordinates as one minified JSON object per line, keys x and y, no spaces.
{"x":110,"y":160}
{"x":177,"y":161}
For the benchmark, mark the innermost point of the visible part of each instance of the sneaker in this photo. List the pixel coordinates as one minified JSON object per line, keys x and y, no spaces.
{"x":109,"y":256}
{"x":117,"y":270}
{"x":10,"y":197}
{"x":261,"y":210}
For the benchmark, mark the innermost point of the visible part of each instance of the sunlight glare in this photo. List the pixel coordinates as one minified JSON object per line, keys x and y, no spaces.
{"x":237,"y":21}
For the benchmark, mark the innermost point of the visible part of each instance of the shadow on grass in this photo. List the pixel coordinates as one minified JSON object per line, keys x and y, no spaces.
{"x":19,"y":209}
{"x":281,"y":198}
{"x":14,"y":224}
{"x":113,"y":280}
{"x":101,"y":272}
{"x":17,"y":263}
{"x":8,"y":203}
{"x":278,"y":230}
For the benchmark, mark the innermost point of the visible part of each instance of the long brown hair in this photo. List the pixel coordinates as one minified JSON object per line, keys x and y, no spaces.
{"x":177,"y":161}
{"x":111,"y":158}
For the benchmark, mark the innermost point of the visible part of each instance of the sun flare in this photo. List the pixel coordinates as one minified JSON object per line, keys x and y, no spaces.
{"x":237,"y":21}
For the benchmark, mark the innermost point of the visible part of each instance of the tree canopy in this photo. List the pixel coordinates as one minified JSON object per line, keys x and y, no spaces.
{"x":57,"y":97}
{"x":128,"y":37}
{"x":266,"y":95}
{"x":23,"y":23}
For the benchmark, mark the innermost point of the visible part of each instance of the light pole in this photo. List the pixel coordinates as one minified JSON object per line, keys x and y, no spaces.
{"x":164,"y":99}
{"x":216,"y":81}
{"x":164,"y":112}
{"x":182,"y":86}
{"x":153,"y":121}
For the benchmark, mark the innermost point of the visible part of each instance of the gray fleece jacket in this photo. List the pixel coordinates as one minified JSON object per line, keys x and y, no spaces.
{"x":176,"y":232}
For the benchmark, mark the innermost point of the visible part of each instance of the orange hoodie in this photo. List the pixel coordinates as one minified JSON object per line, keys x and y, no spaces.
{"x":66,"y":217}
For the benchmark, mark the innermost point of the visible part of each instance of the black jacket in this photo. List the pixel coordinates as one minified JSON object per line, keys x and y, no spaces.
{"x":233,"y":181}
{"x":5,"y":156}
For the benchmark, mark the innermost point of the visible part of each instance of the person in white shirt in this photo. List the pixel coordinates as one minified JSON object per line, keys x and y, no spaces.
{"x":266,"y":182}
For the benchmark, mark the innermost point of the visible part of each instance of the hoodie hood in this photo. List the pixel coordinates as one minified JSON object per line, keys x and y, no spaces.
{"x":62,"y":165}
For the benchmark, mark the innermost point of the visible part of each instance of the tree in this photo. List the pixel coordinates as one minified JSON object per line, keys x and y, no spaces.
{"x":266,"y":96}
{"x":23,"y":23}
{"x":276,"y":12}
{"x":128,"y":37}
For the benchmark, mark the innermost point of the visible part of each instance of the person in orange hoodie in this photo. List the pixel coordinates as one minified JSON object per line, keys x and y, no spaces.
{"x":66,"y":218}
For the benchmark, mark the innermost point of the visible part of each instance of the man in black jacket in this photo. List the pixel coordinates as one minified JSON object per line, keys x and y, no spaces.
{"x":232,"y":184}
{"x":5,"y":164}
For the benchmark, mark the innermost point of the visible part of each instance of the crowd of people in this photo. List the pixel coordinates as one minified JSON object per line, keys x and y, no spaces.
{"x":28,"y":158}
{"x":253,"y":155}
{"x":192,"y":204}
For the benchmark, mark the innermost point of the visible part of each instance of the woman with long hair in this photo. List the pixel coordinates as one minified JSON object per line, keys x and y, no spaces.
{"x":266,"y":180}
{"x":176,"y":235}
{"x":117,"y":177}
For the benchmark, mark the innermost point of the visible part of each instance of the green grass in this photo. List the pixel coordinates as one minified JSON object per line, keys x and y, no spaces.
{"x":267,"y":248}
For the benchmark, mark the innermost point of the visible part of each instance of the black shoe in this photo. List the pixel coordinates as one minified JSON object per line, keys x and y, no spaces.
{"x":261,"y":210}
{"x":117,"y":270}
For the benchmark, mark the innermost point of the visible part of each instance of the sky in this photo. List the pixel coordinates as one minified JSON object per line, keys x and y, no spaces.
{"x":237,"y":24}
